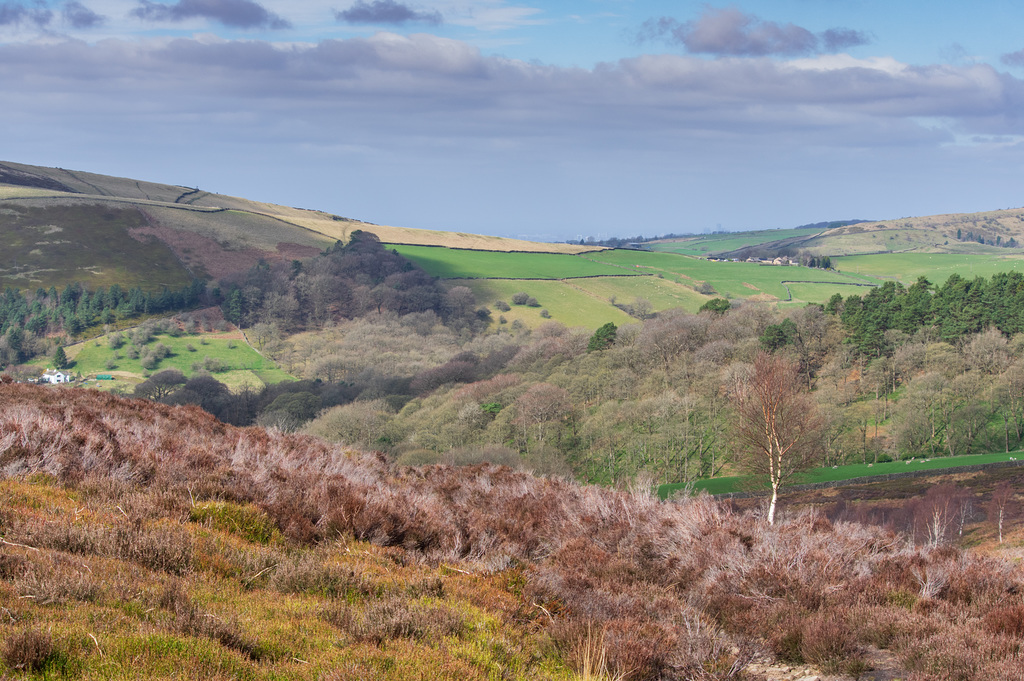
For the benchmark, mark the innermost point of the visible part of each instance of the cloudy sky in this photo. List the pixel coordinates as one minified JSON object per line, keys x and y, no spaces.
{"x":546,"y":120}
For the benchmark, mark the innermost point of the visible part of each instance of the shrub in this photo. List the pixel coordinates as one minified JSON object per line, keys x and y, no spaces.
{"x":502,"y":306}
{"x":306,"y":574}
{"x":520,"y":298}
{"x":1007,"y":620}
{"x":395,"y":617}
{"x":163,"y":546}
{"x":828,"y":643}
{"x":57,"y":580}
{"x":29,"y":650}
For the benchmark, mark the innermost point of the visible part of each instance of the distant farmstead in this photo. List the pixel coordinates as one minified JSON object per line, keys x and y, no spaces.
{"x":55,"y":377}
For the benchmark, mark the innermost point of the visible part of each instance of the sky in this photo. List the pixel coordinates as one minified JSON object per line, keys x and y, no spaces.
{"x":549,"y":121}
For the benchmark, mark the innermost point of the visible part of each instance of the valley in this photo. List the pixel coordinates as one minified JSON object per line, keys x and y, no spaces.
{"x":308,"y":446}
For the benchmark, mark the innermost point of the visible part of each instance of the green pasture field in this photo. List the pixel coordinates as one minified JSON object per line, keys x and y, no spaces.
{"x":245,"y":367}
{"x":567,"y":304}
{"x":907,"y":267}
{"x":704,"y":244}
{"x":735,"y":279}
{"x":450,"y":263}
{"x":663,"y":294}
{"x":725,"y":485}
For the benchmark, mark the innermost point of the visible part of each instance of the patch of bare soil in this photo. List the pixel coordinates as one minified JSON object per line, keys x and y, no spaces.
{"x":881,"y":666}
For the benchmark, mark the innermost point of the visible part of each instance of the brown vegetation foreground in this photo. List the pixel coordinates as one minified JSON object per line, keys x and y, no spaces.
{"x":612,"y":580}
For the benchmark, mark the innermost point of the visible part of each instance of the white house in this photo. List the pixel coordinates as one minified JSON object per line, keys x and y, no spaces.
{"x":55,"y":377}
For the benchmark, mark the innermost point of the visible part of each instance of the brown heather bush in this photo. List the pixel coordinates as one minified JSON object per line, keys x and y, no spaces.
{"x":63,"y":535}
{"x":160,"y":546}
{"x":28,"y":650}
{"x":680,"y":590}
{"x":54,"y":579}
{"x":395,"y":617}
{"x":307,"y":574}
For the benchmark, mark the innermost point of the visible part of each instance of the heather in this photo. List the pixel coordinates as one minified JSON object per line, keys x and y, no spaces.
{"x":147,"y":540}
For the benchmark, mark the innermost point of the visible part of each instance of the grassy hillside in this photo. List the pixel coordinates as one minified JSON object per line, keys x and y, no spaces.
{"x":142,"y":541}
{"x":711,"y":244}
{"x":50,"y":245}
{"x":181,"y":231}
{"x":226,"y":355}
{"x":579,"y":294}
{"x":907,"y":267}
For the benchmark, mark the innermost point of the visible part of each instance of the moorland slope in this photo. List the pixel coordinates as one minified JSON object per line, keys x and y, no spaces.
{"x":141,"y":540}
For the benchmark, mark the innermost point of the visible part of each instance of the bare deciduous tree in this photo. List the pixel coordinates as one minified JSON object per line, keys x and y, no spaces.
{"x":777,"y":424}
{"x":1002,"y":505}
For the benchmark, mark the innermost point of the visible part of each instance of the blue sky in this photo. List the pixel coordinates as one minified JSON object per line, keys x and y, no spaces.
{"x":545,"y":120}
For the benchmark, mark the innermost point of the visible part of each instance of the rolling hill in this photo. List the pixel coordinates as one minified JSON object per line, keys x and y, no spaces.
{"x":61,"y":225}
{"x":999,"y":232}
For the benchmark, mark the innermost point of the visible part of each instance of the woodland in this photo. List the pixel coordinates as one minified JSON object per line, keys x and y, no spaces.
{"x":390,"y":359}
{"x":393,"y":362}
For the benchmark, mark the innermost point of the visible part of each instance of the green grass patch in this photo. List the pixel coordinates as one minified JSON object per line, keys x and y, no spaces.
{"x":724,"y":485}
{"x":450,"y":263}
{"x":662,"y":293}
{"x":230,"y":359}
{"x":735,"y":279}
{"x":244,"y":520}
{"x":565,"y":302}
{"x":907,"y":267}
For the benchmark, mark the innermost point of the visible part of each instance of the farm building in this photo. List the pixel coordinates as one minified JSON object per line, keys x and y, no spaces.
{"x":55,"y":377}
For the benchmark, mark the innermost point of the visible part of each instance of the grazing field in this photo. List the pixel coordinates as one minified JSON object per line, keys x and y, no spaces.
{"x":661,"y":293}
{"x":724,"y":485}
{"x":736,"y":279}
{"x":564,"y":301}
{"x":937,"y":267}
{"x":449,"y":263}
{"x":226,"y":356}
{"x":705,"y":244}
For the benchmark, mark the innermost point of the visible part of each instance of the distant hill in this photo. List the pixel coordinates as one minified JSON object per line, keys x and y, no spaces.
{"x":60,"y":225}
{"x":999,"y":232}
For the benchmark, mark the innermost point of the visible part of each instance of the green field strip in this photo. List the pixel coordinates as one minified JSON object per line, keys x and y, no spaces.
{"x":566,"y":303}
{"x":937,"y":267}
{"x":854,"y":473}
{"x":450,"y":263}
{"x":92,"y":358}
{"x":731,"y":279}
{"x":662,"y":294}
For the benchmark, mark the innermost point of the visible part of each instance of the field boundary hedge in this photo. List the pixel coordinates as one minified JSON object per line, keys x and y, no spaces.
{"x":492,"y":250}
{"x":582,"y":276}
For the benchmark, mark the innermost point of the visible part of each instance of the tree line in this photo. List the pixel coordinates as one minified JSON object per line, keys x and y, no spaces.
{"x":30,"y":321}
